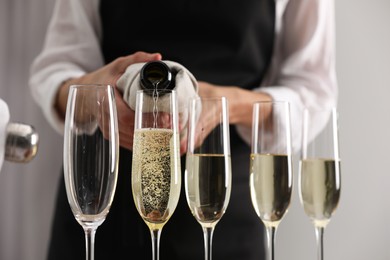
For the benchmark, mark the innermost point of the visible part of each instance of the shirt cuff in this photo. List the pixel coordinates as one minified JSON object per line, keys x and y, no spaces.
{"x":46,"y":94}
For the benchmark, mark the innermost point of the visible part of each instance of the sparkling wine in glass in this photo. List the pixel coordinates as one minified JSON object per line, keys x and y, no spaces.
{"x":91,"y":151}
{"x":271,"y":165}
{"x":319,"y":171}
{"x":156,"y":171}
{"x":208,"y":164}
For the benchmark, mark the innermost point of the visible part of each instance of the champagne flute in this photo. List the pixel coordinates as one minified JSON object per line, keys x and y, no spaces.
{"x":271,"y":165}
{"x":320,"y":177}
{"x":208,"y":164}
{"x":91,"y":151}
{"x":156,"y":170}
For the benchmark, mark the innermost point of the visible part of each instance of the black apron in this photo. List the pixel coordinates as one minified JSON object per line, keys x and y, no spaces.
{"x":223,"y":42}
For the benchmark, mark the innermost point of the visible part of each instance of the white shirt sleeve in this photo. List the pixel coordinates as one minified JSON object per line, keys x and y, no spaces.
{"x":71,"y":48}
{"x":303,"y":67}
{"x":4,"y":119}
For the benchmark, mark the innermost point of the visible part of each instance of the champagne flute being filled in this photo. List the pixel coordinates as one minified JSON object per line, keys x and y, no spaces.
{"x":319,"y":171}
{"x":208,"y":164}
{"x":156,"y":171}
{"x":271,"y":165}
{"x":91,"y":151}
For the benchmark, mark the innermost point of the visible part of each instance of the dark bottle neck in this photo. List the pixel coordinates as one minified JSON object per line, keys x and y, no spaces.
{"x":156,"y":75}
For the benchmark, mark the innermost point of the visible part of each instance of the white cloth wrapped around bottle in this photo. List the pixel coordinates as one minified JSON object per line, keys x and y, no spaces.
{"x":186,"y":86}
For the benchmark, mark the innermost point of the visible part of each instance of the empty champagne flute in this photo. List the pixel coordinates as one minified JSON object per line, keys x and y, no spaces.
{"x":156,"y":170}
{"x":208,"y":164}
{"x":91,"y":151}
{"x":320,"y":177}
{"x":271,"y":165}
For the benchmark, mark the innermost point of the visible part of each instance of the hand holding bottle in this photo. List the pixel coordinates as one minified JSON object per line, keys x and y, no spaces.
{"x":109,"y":74}
{"x":159,"y":75}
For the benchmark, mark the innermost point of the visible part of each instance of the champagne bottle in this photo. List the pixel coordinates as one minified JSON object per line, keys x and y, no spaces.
{"x":157,"y":75}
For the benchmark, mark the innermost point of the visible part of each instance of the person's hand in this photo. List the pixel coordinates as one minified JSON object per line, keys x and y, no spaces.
{"x":240,"y":103}
{"x":109,"y":74}
{"x":207,"y":119}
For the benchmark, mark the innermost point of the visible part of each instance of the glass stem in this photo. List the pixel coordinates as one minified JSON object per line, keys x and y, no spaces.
{"x":90,"y":243}
{"x":155,"y":233}
{"x":320,"y":242}
{"x":208,"y":241}
{"x":271,"y":242}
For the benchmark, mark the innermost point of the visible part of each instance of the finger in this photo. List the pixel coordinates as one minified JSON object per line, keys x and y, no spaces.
{"x":126,"y":141}
{"x":141,"y":56}
{"x":183,"y":146}
{"x":120,"y":102}
{"x":120,"y":64}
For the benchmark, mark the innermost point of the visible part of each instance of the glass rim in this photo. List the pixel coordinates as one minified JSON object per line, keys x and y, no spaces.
{"x":271,"y":102}
{"x":209,"y":98}
{"x":97,"y":85}
{"x":321,"y":109}
{"x":159,"y":90}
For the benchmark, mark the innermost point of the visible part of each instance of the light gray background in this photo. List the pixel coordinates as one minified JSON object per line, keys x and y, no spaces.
{"x":359,"y":229}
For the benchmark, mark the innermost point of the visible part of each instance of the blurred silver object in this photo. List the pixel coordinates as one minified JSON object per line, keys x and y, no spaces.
{"x":21,"y":143}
